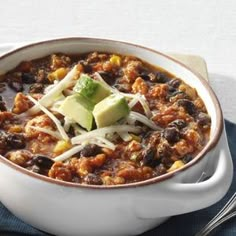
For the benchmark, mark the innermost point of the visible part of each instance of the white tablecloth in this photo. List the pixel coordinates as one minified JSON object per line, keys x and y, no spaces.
{"x":206,"y":28}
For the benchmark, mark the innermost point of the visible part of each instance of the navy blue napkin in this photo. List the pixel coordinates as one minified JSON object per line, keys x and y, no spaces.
{"x":183,"y":225}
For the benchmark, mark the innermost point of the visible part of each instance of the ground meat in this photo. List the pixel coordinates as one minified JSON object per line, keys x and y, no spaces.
{"x":19,"y":157}
{"x":140,"y":86}
{"x":129,"y":174}
{"x":21,"y":103}
{"x":58,"y":61}
{"x":5,"y":116}
{"x":36,"y":88}
{"x":97,"y":161}
{"x":183,"y":148}
{"x":42,"y":121}
{"x":93,"y":179}
{"x":60,"y":171}
{"x":159,"y":91}
{"x":131,"y":70}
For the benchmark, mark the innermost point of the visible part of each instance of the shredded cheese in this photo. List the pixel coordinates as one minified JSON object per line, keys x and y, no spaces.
{"x":125,"y":136}
{"x":68,"y":92}
{"x":54,"y":134}
{"x":69,"y":153}
{"x":144,"y":104}
{"x":100,"y":144}
{"x":48,"y":99}
{"x":67,"y":123}
{"x":143,"y":119}
{"x":103,"y":131}
{"x":78,"y":130}
{"x":53,"y":118}
{"x":99,"y":77}
{"x":107,"y":143}
{"x":50,"y":87}
{"x":133,"y":102}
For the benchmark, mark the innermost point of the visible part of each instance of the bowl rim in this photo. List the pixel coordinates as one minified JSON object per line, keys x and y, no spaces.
{"x":207,"y":148}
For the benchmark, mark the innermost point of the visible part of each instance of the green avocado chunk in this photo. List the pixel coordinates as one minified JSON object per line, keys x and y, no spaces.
{"x":110,"y":110}
{"x":93,"y":90}
{"x":79,"y":109}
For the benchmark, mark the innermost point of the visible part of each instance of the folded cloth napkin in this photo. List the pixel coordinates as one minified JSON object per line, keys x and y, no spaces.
{"x":183,"y":225}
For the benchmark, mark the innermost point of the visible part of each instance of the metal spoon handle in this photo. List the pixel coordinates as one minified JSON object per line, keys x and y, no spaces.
{"x":207,"y":230}
{"x":227,"y":212}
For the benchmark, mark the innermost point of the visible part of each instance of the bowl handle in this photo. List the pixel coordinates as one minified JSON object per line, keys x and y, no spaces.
{"x":173,"y":198}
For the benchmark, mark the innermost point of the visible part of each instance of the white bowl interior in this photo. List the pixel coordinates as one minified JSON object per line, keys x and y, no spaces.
{"x":73,"y":46}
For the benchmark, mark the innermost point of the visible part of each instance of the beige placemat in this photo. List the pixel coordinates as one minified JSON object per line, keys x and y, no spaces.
{"x":196,"y":63}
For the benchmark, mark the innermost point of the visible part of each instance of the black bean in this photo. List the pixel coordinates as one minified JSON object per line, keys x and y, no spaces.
{"x":36,"y":88}
{"x":43,"y":162}
{"x":2,"y":87}
{"x":3,"y":140}
{"x":90,"y":150}
{"x":29,"y":163}
{"x":93,"y":179}
{"x":168,"y":162}
{"x":86,"y":66}
{"x":188,"y":106}
{"x":145,"y":75}
{"x":161,"y":77}
{"x":118,"y":73}
{"x":160,"y":170}
{"x":164,"y":150}
{"x":172,"y":89}
{"x":36,"y":169}
{"x":179,"y":123}
{"x":187,"y":158}
{"x":149,"y":157}
{"x":16,"y":141}
{"x":16,"y":85}
{"x":174,"y":82}
{"x":171,"y":134}
{"x":172,"y":94}
{"x":123,"y":87}
{"x":203,"y":119}
{"x":3,"y":106}
{"x":42,"y":77}
{"x":107,"y":77}
{"x":28,"y":78}
{"x":75,"y":179}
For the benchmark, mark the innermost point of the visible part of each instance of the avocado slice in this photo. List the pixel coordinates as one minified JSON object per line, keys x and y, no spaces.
{"x":93,"y":90}
{"x":79,"y":109}
{"x":110,"y":110}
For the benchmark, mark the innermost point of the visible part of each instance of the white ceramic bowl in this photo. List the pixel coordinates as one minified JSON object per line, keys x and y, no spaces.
{"x":71,"y":209}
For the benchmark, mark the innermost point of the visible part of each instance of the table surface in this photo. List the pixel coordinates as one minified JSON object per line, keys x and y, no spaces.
{"x":206,"y":28}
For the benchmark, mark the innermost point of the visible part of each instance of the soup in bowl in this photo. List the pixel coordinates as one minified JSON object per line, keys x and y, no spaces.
{"x":108,"y":127}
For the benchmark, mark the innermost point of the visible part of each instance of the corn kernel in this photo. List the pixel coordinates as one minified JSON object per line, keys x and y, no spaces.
{"x":115,"y":60}
{"x":107,"y":180}
{"x":61,"y":147}
{"x":134,"y":156}
{"x":177,"y":164}
{"x":57,"y":74}
{"x":134,"y":146}
{"x":136,"y":138}
{"x":15,"y":129}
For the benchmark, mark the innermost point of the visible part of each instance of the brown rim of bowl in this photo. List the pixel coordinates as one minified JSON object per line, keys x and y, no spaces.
{"x":211,"y":143}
